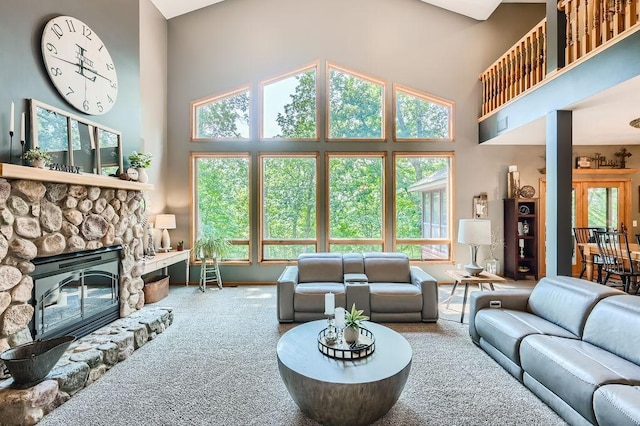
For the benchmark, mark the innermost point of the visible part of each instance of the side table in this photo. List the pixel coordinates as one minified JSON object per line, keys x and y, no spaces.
{"x":164,"y":260}
{"x":461,"y":277}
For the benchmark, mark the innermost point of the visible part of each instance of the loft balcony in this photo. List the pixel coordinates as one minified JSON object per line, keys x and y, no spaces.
{"x":597,"y":77}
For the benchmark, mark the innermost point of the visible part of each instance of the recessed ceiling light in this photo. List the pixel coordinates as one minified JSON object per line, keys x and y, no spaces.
{"x":635,"y":123}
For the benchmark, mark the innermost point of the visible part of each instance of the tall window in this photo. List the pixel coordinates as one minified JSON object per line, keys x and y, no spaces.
{"x":222,"y":200}
{"x":307,"y":196}
{"x":355,"y":106}
{"x":419,"y":116}
{"x":356,"y":202}
{"x":222,"y":117}
{"x":288,"y":205}
{"x":289,"y":106}
{"x":422,"y":205}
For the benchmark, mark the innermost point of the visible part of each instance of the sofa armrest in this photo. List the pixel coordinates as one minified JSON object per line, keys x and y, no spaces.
{"x":509,"y":299}
{"x":429,"y":288}
{"x":285,"y":288}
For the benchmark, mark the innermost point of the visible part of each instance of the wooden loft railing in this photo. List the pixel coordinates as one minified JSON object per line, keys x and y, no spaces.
{"x":522,"y":67}
{"x":591,"y":24}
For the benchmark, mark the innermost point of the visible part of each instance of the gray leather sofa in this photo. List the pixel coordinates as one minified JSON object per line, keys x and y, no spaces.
{"x":574,"y":343}
{"x":394,"y":291}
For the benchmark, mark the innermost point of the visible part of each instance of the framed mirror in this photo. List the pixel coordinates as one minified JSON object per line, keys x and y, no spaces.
{"x":75,"y":141}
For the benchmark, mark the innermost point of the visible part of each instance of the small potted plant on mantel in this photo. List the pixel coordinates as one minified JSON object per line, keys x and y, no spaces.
{"x":353,"y":321}
{"x":36,"y":157}
{"x":180,"y":245}
{"x":141,"y":161}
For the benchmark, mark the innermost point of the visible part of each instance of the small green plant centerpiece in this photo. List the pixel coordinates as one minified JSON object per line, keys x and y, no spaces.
{"x":36,"y":157}
{"x":211,"y":247}
{"x":352,"y":323}
{"x":180,"y":245}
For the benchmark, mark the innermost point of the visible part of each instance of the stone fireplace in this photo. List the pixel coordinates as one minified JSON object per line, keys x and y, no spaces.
{"x":46,"y":213}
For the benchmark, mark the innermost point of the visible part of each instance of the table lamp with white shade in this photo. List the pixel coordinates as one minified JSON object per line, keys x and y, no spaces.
{"x":165,"y":222}
{"x":476,"y":233}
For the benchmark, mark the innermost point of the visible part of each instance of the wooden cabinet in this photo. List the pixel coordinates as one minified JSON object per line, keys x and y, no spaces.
{"x":521,"y":238}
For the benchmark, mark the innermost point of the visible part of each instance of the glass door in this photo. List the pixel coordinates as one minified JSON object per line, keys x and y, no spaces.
{"x":596,"y":202}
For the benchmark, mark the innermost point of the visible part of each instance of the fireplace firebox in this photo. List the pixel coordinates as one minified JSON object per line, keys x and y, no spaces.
{"x":75,"y":293}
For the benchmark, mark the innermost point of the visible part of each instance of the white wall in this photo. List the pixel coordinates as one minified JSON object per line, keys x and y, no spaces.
{"x":153,"y":99}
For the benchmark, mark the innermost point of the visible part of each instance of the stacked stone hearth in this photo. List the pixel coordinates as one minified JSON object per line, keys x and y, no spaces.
{"x":44,"y":219}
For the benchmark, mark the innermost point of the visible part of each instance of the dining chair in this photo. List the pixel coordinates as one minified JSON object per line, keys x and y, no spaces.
{"x":616,"y":258}
{"x":584,"y":236}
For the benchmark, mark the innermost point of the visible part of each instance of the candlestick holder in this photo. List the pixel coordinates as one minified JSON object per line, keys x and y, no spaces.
{"x":10,"y":147}
{"x":22,"y":153}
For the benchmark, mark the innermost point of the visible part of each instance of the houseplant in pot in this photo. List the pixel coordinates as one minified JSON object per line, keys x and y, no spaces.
{"x":353,"y":322}
{"x":36,"y":157}
{"x":140,"y":161}
{"x":210,"y":247}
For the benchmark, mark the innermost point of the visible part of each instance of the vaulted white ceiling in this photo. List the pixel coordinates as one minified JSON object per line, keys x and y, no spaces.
{"x":476,"y":9}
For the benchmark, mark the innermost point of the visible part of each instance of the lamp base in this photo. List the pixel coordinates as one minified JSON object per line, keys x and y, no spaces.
{"x":473,"y":270}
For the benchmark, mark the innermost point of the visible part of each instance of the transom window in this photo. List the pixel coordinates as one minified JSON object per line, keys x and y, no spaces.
{"x":290,"y":106}
{"x":222,"y":117}
{"x":355,"y":106}
{"x":419,"y":116}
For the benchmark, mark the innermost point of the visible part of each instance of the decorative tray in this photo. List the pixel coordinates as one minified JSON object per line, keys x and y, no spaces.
{"x":363,"y":347}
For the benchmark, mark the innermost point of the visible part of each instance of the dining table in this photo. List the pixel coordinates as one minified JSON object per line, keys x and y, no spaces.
{"x":589,"y":250}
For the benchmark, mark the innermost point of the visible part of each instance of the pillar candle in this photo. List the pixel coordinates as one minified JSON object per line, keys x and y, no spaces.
{"x":340,"y":322}
{"x":11,"y":118}
{"x":22,"y":139}
{"x":329,"y":303}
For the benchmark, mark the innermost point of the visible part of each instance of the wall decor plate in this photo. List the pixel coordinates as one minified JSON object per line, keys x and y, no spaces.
{"x":524,"y":209}
{"x":527,"y":191}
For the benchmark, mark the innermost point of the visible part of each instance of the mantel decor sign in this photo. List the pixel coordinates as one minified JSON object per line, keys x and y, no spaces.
{"x":64,"y":168}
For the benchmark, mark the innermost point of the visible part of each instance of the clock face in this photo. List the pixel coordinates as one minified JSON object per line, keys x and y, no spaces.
{"x":79,"y":65}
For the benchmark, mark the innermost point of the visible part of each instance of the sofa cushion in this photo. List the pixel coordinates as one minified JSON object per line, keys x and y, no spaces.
{"x":394,"y":297}
{"x":504,"y":329}
{"x":309,"y":297}
{"x":617,"y":405}
{"x":353,"y":263}
{"x":573,"y":369}
{"x":320,"y":267}
{"x":614,"y":325}
{"x":567,"y":301}
{"x":387,"y":267}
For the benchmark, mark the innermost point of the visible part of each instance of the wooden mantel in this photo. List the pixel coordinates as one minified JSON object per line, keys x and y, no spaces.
{"x":14,"y":171}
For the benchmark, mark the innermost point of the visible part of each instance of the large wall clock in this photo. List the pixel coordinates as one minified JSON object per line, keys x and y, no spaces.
{"x":79,"y":65}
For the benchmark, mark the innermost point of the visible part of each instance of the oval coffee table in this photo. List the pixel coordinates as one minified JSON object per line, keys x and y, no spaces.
{"x":336,"y":392}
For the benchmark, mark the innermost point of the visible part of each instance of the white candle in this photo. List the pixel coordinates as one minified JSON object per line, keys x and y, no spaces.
{"x":22,"y":139}
{"x":340,"y":322}
{"x":11,"y":118}
{"x":329,"y":303}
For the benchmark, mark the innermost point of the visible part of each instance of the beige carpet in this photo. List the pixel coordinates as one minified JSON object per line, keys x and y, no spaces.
{"x":216,"y":365}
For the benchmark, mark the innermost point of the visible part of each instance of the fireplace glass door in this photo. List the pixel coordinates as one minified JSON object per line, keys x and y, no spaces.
{"x":85,"y":290}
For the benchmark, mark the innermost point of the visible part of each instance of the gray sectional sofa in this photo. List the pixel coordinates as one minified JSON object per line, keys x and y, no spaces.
{"x":384,"y":285}
{"x":574,"y":343}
